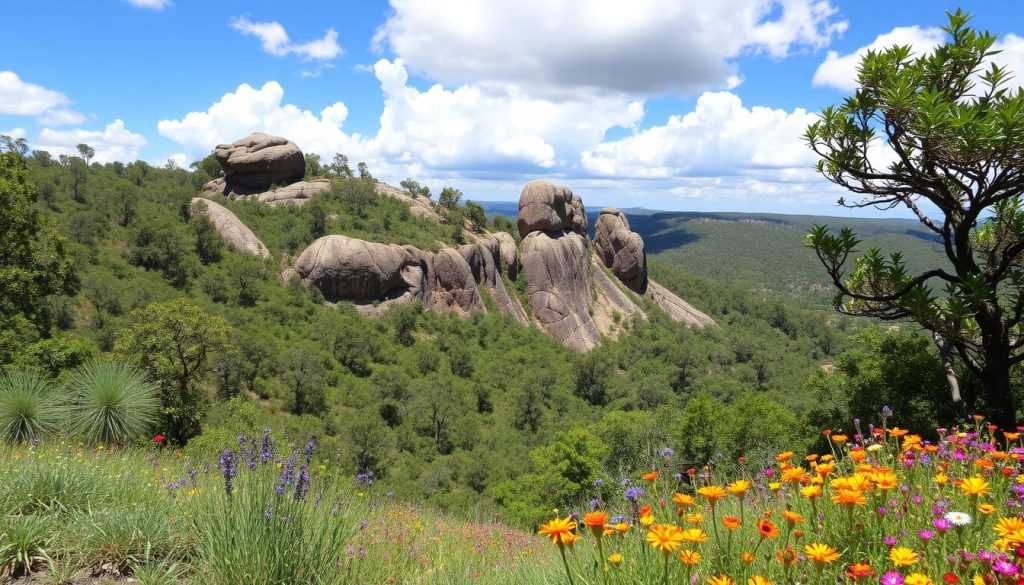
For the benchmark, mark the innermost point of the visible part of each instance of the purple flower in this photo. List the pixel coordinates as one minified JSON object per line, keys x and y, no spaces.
{"x":633,"y":493}
{"x":986,"y":556}
{"x":266,"y":447}
{"x":594,"y":503}
{"x":886,"y":411}
{"x":599,"y":482}
{"x":941,"y":524}
{"x":302,"y":482}
{"x":925,"y":535}
{"x":268,"y":514}
{"x":241,"y":439}
{"x":287,"y":475}
{"x":882,"y":510}
{"x":667,"y":452}
{"x":892,"y":578}
{"x":1005,"y":568}
{"x":227,"y":469}
{"x":916,"y":498}
{"x":889,"y":541}
{"x":617,"y":519}
{"x":365,"y":478}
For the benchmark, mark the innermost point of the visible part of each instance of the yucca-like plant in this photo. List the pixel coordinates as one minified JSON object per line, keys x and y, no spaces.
{"x":112,"y":402}
{"x":29,"y":407}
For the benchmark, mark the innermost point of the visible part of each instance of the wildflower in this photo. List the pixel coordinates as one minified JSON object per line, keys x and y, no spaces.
{"x":227,"y":469}
{"x":712,"y":493}
{"x":159,"y":439}
{"x":621,"y":527}
{"x":696,"y":535}
{"x":986,"y":509}
{"x":683,"y":500}
{"x":738,"y":488}
{"x":941,"y":524}
{"x":767,"y":529}
{"x":795,"y":475}
{"x":665,"y":537}
{"x":559,"y":530}
{"x":940,"y":478}
{"x":774,"y":486}
{"x":902,"y":556}
{"x":758,"y":580}
{"x":891,"y":578}
{"x":1005,"y":568}
{"x":720,"y":580}
{"x":792,"y":517}
{"x":787,"y":557}
{"x":950,"y":578}
{"x":1008,"y":525}
{"x":651,"y":476}
{"x":731,"y":522}
{"x":821,"y":554}
{"x":848,"y":497}
{"x":958,"y":518}
{"x":633,"y":493}
{"x":859,"y":571}
{"x":784,"y":457}
{"x":975,"y":486}
{"x":858,"y":455}
{"x":647,"y":519}
{"x":689,"y":557}
{"x":897,"y":432}
{"x":839,"y":439}
{"x":810,"y":492}
{"x":695,"y":518}
{"x":615,"y":559}
{"x":918,"y":579}
{"x":596,"y":521}
{"x":747,"y":557}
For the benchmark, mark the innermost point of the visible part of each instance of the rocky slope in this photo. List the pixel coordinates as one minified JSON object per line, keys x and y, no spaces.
{"x":578,"y":291}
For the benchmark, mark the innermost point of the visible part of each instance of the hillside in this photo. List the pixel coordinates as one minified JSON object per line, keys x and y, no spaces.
{"x":764,"y":253}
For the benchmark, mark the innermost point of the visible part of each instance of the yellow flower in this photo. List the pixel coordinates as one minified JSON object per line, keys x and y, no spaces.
{"x":940,"y":478}
{"x":810,"y":492}
{"x":738,"y":487}
{"x":621,"y":527}
{"x":774,"y":486}
{"x":758,"y":580}
{"x":694,"y":535}
{"x":695,"y":518}
{"x":986,"y":509}
{"x":559,"y":530}
{"x":720,"y":580}
{"x":849,"y":497}
{"x":665,"y":537}
{"x":713,"y":493}
{"x":821,"y":554}
{"x":615,"y":558}
{"x":1009,"y":524}
{"x":874,"y":448}
{"x":975,"y":486}
{"x":918,"y":579}
{"x":840,"y":439}
{"x":647,"y":519}
{"x":689,"y":557}
{"x":794,"y":475}
{"x":902,"y":556}
{"x":683,"y":500}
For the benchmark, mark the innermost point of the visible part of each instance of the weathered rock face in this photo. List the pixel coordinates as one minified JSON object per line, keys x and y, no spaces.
{"x":294,"y":194}
{"x":345,"y":268}
{"x":547,"y":207}
{"x":258,"y":161}
{"x":555,"y":265}
{"x":509,"y":254}
{"x":450,"y":283}
{"x":675,"y":307}
{"x":235,"y":233}
{"x":621,"y":249}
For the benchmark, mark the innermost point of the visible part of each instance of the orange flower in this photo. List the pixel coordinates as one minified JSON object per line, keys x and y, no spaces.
{"x":821,"y":554}
{"x":713,"y":493}
{"x":596,"y":521}
{"x":795,"y":475}
{"x":897,"y":432}
{"x":645,"y":510}
{"x":720,"y":580}
{"x":792,"y":517}
{"x":783,"y":457}
{"x":695,"y":518}
{"x":731,"y":522}
{"x":651,"y":476}
{"x":665,"y":537}
{"x":1011,"y":436}
{"x":694,"y":535}
{"x":787,"y":557}
{"x":689,"y":557}
{"x":975,"y":486}
{"x":738,"y":487}
{"x":859,"y":571}
{"x":839,"y":439}
{"x":849,"y":497}
{"x":683,"y":500}
{"x":560,"y":531}
{"x":758,"y":580}
{"x":767,"y":529}
{"x":986,"y":509}
{"x":858,"y":455}
{"x":747,"y":557}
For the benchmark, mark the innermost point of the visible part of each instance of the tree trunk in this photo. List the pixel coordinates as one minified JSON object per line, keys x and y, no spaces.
{"x":995,"y":375}
{"x":946,"y":356}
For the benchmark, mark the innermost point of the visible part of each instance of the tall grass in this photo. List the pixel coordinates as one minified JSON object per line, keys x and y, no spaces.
{"x":29,"y":407}
{"x":112,"y":402}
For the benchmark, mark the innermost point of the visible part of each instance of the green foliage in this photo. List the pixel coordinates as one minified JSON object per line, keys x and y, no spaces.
{"x":313,"y":167}
{"x":449,"y":197}
{"x":29,"y":407}
{"x":476,"y":216}
{"x":23,"y":543}
{"x":173,"y":342}
{"x":113,"y":403}
{"x":209,"y":244}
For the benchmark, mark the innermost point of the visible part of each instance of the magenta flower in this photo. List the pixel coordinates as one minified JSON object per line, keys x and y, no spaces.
{"x":925,"y":535}
{"x":892,"y":578}
{"x":1005,"y":568}
{"x":941,"y":524}
{"x":889,"y":541}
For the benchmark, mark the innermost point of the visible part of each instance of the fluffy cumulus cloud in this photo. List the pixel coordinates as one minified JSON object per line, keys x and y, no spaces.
{"x":840,"y":71}
{"x":274,"y":40}
{"x":114,"y":142}
{"x":21,"y":98}
{"x":558,"y":48}
{"x":720,"y":137}
{"x":61,"y":117}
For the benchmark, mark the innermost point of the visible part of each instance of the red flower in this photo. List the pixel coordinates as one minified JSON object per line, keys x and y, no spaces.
{"x":950,"y":578}
{"x":159,"y":439}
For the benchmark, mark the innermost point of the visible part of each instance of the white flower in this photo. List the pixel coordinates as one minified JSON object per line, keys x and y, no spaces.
{"x":873,"y":448}
{"x":958,"y":518}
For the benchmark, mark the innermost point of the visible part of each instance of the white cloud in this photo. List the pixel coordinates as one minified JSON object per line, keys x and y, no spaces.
{"x":151,"y":4}
{"x":274,"y":40}
{"x":21,"y":98}
{"x":840,"y":72}
{"x":720,"y":137}
{"x":61,"y":117}
{"x":114,"y":142}
{"x":14,"y":133}
{"x":560,"y":48}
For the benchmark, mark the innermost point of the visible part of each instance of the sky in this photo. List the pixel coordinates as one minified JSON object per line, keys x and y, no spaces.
{"x":684,"y":105}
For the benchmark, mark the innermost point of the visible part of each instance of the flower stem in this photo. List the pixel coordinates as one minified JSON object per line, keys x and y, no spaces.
{"x":565,"y":561}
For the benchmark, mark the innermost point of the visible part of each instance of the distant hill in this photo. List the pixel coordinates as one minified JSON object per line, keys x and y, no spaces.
{"x":762,"y":252}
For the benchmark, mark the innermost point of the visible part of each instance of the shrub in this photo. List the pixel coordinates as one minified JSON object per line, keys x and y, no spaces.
{"x":29,"y":407}
{"x":113,"y":402}
{"x":23,"y":541}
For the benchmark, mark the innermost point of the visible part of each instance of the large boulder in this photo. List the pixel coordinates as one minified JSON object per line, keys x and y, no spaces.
{"x":621,"y":249}
{"x":235,"y":233}
{"x":552,"y":208}
{"x":555,"y":265}
{"x":450,"y":284}
{"x":345,"y":268}
{"x":509,"y":254}
{"x":294,"y":194}
{"x":258,"y":161}
{"x":677,"y":308}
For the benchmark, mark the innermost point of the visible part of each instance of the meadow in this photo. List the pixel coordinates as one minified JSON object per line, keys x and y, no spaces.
{"x":878,"y":504}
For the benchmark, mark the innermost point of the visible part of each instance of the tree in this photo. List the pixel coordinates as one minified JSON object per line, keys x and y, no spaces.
{"x":313,"y":167}
{"x":955,"y":136}
{"x":341,"y":168}
{"x":209,"y":244}
{"x":411,"y":187}
{"x":449,"y":197}
{"x":302,"y":372}
{"x":173,"y":342}
{"x":34,"y":262}
{"x":476,"y":216}
{"x":79,"y":173}
{"x":86,"y":152}
{"x":126,"y":200}
{"x":364,"y":171}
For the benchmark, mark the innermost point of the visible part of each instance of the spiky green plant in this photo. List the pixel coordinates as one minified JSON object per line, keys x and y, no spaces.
{"x":112,"y":402}
{"x":29,"y":407}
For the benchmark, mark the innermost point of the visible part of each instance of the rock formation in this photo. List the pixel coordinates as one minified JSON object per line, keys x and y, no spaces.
{"x":258,"y":161}
{"x":235,"y":233}
{"x":294,"y":194}
{"x":676,"y":307}
{"x":556,"y":263}
{"x":621,"y":249}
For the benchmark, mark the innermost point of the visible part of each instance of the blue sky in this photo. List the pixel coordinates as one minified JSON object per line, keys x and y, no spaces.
{"x":668,"y":104}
